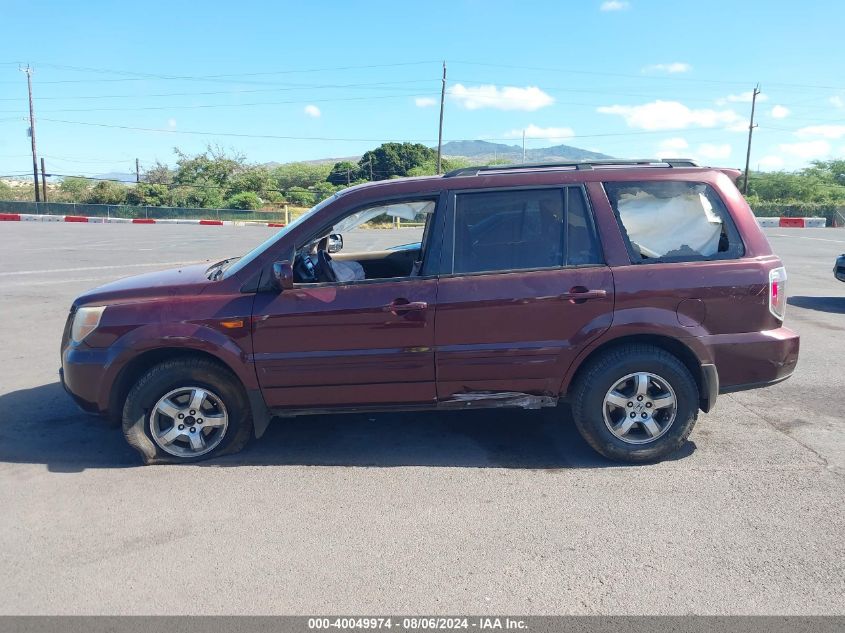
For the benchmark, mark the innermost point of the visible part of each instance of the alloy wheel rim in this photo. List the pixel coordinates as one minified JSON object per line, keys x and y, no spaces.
{"x":640,"y":408}
{"x":189,"y":421}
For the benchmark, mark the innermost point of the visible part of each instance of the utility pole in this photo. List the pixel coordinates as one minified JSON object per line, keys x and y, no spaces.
{"x":137,"y":171}
{"x":348,"y":176}
{"x":28,"y":72}
{"x":751,"y":127}
{"x":43,"y":181}
{"x":523,"y":147}
{"x":440,"y":129}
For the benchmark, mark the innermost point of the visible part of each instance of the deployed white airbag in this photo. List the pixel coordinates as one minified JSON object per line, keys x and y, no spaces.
{"x":347,"y":270}
{"x":671,"y":226}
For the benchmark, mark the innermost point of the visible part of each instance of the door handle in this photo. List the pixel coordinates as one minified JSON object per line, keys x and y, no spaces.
{"x":580,"y":294}
{"x":400,"y":305}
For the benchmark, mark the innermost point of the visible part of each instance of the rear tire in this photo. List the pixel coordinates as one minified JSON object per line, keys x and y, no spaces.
{"x":636,"y":403}
{"x":186,"y":410}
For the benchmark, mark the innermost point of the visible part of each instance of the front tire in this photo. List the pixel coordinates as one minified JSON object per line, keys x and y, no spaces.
{"x":636,"y":403}
{"x":186,"y":410}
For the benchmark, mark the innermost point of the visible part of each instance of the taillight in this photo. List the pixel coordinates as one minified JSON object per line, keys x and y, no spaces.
{"x":777,"y":292}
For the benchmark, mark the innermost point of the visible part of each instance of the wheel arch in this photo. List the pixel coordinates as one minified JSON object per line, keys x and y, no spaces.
{"x":701,"y":372}
{"x":143,"y":362}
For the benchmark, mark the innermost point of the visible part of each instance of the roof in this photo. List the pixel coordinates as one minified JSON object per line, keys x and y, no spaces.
{"x":611,"y":163}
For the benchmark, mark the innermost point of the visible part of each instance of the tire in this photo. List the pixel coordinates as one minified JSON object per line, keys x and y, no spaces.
{"x":606,"y":401}
{"x":174,"y":386}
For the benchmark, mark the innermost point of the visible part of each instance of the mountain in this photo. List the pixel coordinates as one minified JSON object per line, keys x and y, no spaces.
{"x":116,"y":175}
{"x":485,"y":151}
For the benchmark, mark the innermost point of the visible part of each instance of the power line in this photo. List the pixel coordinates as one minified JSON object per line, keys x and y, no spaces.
{"x":385,"y":85}
{"x":367,"y":140}
{"x":229,"y":105}
{"x":642,"y":76}
{"x":233,"y":77}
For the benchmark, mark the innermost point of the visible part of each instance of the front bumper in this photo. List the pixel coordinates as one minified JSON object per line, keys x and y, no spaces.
{"x":81,"y":375}
{"x":753,"y":359}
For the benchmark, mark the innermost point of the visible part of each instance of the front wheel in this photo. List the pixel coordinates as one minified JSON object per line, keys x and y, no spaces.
{"x":636,"y":403}
{"x":186,"y":410}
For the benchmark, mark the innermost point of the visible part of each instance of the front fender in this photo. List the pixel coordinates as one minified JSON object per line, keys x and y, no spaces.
{"x":185,"y":336}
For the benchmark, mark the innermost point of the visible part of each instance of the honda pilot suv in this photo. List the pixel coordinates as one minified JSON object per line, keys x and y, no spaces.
{"x":633,"y":291}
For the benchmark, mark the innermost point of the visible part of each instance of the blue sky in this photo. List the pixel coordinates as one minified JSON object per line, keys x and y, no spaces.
{"x":282,"y":81}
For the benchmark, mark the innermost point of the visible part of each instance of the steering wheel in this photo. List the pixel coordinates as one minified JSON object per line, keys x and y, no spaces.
{"x":325,"y":272}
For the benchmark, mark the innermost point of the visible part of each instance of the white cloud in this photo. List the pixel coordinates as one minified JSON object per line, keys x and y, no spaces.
{"x":771,"y":163}
{"x":740,"y":125}
{"x":171,"y":123}
{"x":779,"y":112}
{"x":312,"y":111}
{"x":425,"y":102}
{"x":806,"y":150}
{"x":837,"y":102}
{"x":533,"y":131}
{"x":671,"y":147}
{"x":713,"y":151}
{"x":670,"y":115}
{"x":615,"y":5}
{"x":824,"y":131}
{"x":529,"y":98}
{"x":674,"y":67}
{"x":742,"y":97}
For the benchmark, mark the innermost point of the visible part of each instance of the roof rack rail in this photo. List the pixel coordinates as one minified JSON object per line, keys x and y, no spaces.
{"x":577,"y":164}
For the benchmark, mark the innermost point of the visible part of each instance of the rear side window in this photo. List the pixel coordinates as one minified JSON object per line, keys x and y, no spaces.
{"x":673,"y":221}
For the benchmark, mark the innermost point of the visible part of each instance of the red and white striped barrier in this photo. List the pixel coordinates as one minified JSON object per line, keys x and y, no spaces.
{"x":799,"y":223}
{"x":29,"y":217}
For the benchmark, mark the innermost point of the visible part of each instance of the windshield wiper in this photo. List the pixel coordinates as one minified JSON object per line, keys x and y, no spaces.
{"x":218,"y":268}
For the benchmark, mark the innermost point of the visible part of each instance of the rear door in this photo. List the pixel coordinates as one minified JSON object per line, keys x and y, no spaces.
{"x":523,"y":288}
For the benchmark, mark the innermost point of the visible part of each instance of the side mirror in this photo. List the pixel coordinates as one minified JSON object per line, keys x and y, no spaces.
{"x":283,"y":275}
{"x":335,"y":243}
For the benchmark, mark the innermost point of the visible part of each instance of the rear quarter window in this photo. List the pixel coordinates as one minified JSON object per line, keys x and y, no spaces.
{"x":673,"y":221}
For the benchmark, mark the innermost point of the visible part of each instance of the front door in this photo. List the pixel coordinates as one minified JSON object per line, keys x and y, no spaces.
{"x":527,"y":290}
{"x":361,"y":342}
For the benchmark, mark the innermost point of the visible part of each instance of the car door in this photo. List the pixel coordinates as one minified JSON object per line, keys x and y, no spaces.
{"x":524,"y":288}
{"x":348,"y":343}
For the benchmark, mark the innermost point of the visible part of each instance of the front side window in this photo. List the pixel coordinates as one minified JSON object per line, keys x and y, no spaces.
{"x":673,"y":221}
{"x":508,"y":230}
{"x":386,"y":240}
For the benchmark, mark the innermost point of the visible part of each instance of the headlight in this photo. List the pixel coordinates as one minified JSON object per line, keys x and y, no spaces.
{"x":85,"y":321}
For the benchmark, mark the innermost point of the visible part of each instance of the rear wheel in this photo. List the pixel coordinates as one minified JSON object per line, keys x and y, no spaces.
{"x":186,"y":410}
{"x":636,"y":403}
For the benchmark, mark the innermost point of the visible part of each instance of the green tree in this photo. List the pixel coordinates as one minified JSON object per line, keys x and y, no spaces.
{"x":299,"y":196}
{"x":149,"y":194}
{"x":302,"y":175}
{"x":107,"y":192}
{"x":395,"y":159}
{"x":75,"y":188}
{"x":6,"y":191}
{"x":244,"y":200}
{"x":159,"y":174}
{"x":256,"y":178}
{"x":323,"y":190}
{"x":344,"y":173}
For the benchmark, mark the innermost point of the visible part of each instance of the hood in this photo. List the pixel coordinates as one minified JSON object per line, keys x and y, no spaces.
{"x":188,"y":280}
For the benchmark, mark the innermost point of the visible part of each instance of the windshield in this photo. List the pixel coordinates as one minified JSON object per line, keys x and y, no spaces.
{"x":247,"y":259}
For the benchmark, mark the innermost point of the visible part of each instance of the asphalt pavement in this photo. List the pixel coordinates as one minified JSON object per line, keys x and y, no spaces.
{"x":449,"y":513}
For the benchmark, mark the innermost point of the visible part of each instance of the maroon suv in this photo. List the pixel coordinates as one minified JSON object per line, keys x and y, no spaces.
{"x":635,"y":291}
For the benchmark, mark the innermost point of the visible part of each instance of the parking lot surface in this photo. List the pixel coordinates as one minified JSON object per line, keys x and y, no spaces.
{"x":450,"y":513}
